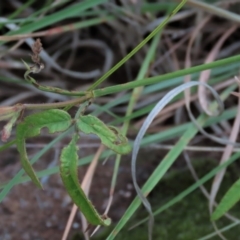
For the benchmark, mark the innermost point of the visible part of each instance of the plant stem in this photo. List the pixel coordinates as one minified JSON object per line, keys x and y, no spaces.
{"x":157,"y":79}
{"x":32,"y":81}
{"x":56,"y":105}
{"x":139,"y":46}
{"x":134,"y":84}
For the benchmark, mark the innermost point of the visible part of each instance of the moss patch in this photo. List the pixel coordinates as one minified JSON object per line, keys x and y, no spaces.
{"x":186,"y":220}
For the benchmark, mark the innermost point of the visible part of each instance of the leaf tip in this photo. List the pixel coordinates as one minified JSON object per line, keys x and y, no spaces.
{"x":26,"y":65}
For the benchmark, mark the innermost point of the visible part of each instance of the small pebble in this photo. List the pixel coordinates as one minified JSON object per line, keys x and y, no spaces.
{"x":75,"y":225}
{"x":48,"y":224}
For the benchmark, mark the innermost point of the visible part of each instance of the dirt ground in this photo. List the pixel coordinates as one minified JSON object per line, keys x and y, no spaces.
{"x":30,"y":213}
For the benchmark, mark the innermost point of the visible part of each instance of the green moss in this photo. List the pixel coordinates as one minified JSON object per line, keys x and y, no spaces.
{"x":186,"y":220}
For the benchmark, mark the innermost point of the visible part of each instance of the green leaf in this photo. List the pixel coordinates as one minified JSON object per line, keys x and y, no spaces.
{"x":68,"y":172}
{"x":228,"y":201}
{"x":110,"y":136}
{"x":65,"y":13}
{"x":55,"y":120}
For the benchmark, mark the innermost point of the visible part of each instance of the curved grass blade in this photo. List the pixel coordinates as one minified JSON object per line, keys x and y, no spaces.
{"x":68,"y":172}
{"x":110,"y":136}
{"x":161,"y":104}
{"x":228,"y":201}
{"x":55,"y":120}
{"x":161,"y":169}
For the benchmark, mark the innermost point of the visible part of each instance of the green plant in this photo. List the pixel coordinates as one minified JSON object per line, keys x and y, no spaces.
{"x":57,"y":120}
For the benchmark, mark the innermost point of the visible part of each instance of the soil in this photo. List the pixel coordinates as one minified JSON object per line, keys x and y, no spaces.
{"x":31,"y":213}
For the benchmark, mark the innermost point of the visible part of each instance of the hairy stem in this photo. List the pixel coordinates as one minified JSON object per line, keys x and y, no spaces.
{"x":57,"y":105}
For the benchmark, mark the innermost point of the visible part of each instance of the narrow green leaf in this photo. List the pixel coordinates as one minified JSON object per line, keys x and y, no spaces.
{"x":7,"y":145}
{"x":228,"y":201}
{"x":26,"y":65}
{"x":110,"y":136}
{"x":55,"y":120}
{"x":68,"y":172}
{"x":193,"y":187}
{"x":65,"y":13}
{"x":162,"y":168}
